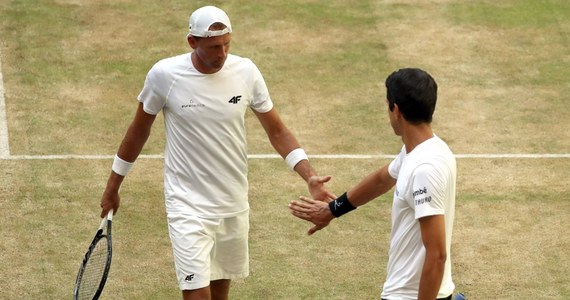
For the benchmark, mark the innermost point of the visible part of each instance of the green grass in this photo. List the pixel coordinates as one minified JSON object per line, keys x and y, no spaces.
{"x":513,"y":13}
{"x":539,"y":34}
{"x":72,"y":71}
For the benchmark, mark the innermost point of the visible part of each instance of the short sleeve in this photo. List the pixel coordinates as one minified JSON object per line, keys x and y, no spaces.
{"x":261,"y":101}
{"x":428,"y":188}
{"x":153,"y":95}
{"x":396,"y":164}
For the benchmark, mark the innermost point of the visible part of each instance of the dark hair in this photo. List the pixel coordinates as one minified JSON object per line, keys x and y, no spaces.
{"x":415,"y":93}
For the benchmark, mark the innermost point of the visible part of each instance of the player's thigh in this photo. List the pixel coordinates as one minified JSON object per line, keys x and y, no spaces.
{"x":230,"y":259}
{"x":192,"y":243}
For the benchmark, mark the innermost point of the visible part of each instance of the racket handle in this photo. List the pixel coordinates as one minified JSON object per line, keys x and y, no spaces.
{"x":110,"y":215}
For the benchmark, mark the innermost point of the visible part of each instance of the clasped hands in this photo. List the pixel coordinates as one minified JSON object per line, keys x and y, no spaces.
{"x":314,"y":210}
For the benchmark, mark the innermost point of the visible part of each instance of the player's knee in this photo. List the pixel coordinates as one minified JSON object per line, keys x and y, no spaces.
{"x":220,"y":289}
{"x":197,"y":294}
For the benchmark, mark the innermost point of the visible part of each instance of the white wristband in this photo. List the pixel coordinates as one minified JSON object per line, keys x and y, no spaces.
{"x":294,"y":157}
{"x":121,"y":166}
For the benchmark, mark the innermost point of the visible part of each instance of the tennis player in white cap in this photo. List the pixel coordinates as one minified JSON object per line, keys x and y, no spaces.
{"x":204,"y":96}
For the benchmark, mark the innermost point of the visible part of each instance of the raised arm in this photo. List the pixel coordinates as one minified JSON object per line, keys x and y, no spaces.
{"x":372,"y":186}
{"x":320,"y":214}
{"x":129,"y":150}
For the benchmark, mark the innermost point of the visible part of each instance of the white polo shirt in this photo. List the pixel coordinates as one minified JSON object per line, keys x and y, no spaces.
{"x":205,"y":163}
{"x":425,"y":186}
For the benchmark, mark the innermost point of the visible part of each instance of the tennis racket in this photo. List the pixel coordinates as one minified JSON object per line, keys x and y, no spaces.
{"x":95,"y":267}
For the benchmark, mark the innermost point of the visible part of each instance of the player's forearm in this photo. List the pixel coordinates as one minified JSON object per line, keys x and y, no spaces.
{"x":133,"y":143}
{"x":284,"y":143}
{"x":130,"y":148}
{"x":304,"y":169}
{"x":114,"y":182}
{"x":432,"y":275}
{"x":372,"y":186}
{"x":136,"y":136}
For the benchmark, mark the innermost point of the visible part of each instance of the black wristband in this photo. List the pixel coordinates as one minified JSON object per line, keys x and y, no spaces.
{"x":340,"y":206}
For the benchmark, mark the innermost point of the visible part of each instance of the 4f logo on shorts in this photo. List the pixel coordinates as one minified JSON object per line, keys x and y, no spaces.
{"x":235,"y":99}
{"x":189,"y":277}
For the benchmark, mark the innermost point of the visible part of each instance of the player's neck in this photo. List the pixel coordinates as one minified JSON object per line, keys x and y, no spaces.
{"x":414,"y":135}
{"x":201,"y":66}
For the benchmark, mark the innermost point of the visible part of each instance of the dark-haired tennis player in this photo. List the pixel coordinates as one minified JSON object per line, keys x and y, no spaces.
{"x":424,"y":176}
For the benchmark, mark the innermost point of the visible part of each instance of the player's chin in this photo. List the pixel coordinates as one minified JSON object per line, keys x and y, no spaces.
{"x":218,"y":64}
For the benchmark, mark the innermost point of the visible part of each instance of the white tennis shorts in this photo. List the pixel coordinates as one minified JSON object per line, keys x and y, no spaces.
{"x":209,"y":249}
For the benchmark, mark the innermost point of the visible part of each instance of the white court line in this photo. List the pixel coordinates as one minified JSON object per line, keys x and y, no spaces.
{"x":276,"y":156}
{"x":4,"y":145}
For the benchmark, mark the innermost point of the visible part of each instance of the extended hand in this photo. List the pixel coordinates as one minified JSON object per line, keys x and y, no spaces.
{"x":314,"y":211}
{"x":318,"y":190}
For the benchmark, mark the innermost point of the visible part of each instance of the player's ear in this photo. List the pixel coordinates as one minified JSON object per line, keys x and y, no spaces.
{"x":192,"y":41}
{"x":397,"y":111}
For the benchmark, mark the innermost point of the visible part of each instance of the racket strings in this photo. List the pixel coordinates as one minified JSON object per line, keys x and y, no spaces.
{"x":94,"y":269}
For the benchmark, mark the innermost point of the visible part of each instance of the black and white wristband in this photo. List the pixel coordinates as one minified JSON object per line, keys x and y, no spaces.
{"x":341,"y":206}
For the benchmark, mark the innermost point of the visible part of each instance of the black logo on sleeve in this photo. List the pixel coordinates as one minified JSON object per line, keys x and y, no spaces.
{"x":235,"y":99}
{"x":421,"y":197}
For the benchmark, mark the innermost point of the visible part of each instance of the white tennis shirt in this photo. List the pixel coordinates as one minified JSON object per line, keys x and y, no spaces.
{"x":205,"y":158}
{"x":425,"y":186}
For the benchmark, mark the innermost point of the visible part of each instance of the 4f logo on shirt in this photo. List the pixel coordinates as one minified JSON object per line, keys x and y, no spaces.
{"x":235,"y":99}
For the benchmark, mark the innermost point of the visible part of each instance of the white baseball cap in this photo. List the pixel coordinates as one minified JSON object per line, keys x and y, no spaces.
{"x":204,"y":17}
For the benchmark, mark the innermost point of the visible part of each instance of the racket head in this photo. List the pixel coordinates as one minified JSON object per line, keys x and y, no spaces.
{"x":96,"y":264}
